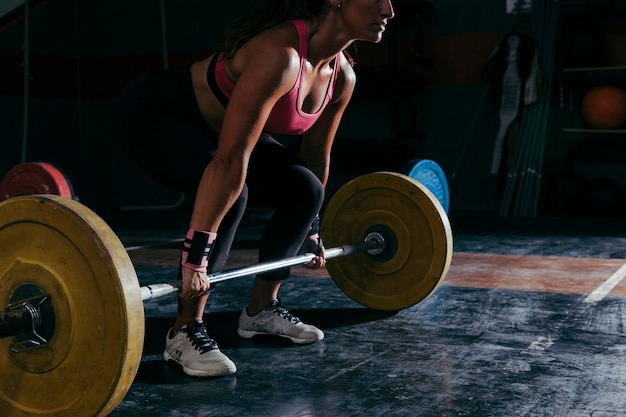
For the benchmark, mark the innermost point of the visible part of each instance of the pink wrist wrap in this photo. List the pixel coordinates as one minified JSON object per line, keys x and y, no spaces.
{"x":196,"y":249}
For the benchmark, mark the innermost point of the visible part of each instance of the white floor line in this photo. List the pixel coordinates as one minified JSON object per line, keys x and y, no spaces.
{"x":606,"y":287}
{"x":150,"y":245}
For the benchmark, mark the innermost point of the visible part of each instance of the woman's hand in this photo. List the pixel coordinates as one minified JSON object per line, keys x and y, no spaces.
{"x":317,"y":262}
{"x":195,"y":284}
{"x":314,"y":244}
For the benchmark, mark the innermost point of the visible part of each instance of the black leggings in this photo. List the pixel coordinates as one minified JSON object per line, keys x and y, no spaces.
{"x":161,"y":129}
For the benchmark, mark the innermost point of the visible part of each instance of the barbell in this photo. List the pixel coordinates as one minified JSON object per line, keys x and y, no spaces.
{"x":71,"y":336}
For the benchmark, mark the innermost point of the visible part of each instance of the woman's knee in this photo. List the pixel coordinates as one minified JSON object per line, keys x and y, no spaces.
{"x":306,"y":187}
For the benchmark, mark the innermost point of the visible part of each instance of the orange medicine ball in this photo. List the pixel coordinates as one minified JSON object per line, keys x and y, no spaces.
{"x":604,"y":107}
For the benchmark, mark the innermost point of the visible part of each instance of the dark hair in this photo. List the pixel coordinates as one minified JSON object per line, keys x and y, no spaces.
{"x":267,"y":14}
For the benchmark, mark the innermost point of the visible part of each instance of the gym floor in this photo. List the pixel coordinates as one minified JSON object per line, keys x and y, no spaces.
{"x":528,"y":322}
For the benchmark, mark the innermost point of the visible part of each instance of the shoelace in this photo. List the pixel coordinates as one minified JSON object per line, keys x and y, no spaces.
{"x":283,"y":312}
{"x":200,"y":339}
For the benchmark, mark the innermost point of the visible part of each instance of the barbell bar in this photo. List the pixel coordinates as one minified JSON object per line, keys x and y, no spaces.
{"x":65,"y":260}
{"x":373,"y":243}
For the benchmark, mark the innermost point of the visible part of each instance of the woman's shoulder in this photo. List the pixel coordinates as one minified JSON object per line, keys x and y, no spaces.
{"x":283,"y":35}
{"x":346,"y":80}
{"x":347,"y":72}
{"x":278,"y":44}
{"x":270,"y":56}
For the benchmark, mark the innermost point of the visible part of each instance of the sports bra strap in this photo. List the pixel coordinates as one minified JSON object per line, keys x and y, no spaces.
{"x":210,"y":77}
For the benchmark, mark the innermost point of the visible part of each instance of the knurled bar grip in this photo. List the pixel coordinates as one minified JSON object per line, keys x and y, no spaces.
{"x":160,"y":290}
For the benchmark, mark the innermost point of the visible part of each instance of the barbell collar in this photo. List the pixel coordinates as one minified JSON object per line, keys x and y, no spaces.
{"x":24,"y":319}
{"x":19,"y":318}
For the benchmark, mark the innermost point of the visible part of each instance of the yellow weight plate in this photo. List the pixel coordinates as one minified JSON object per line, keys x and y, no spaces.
{"x":65,"y":249}
{"x":420,"y":228}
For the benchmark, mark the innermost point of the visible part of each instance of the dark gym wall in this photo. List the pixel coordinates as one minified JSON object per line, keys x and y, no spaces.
{"x":81,"y":54}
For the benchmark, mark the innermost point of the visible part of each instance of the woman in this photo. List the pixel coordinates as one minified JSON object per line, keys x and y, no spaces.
{"x":205,"y":130}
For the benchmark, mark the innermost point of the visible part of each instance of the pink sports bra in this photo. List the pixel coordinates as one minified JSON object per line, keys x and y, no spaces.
{"x":286,"y":117}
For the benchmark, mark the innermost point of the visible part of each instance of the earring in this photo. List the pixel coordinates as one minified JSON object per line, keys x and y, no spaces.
{"x":339,"y":5}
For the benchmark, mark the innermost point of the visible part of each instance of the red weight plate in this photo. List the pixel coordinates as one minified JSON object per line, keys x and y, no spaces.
{"x":31,"y":178}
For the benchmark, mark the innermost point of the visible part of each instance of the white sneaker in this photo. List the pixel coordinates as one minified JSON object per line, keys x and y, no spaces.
{"x":196,"y":352}
{"x":276,"y":320}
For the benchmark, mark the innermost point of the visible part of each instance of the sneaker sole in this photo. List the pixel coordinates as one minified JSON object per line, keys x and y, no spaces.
{"x":248,"y":334}
{"x":196,"y":372}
